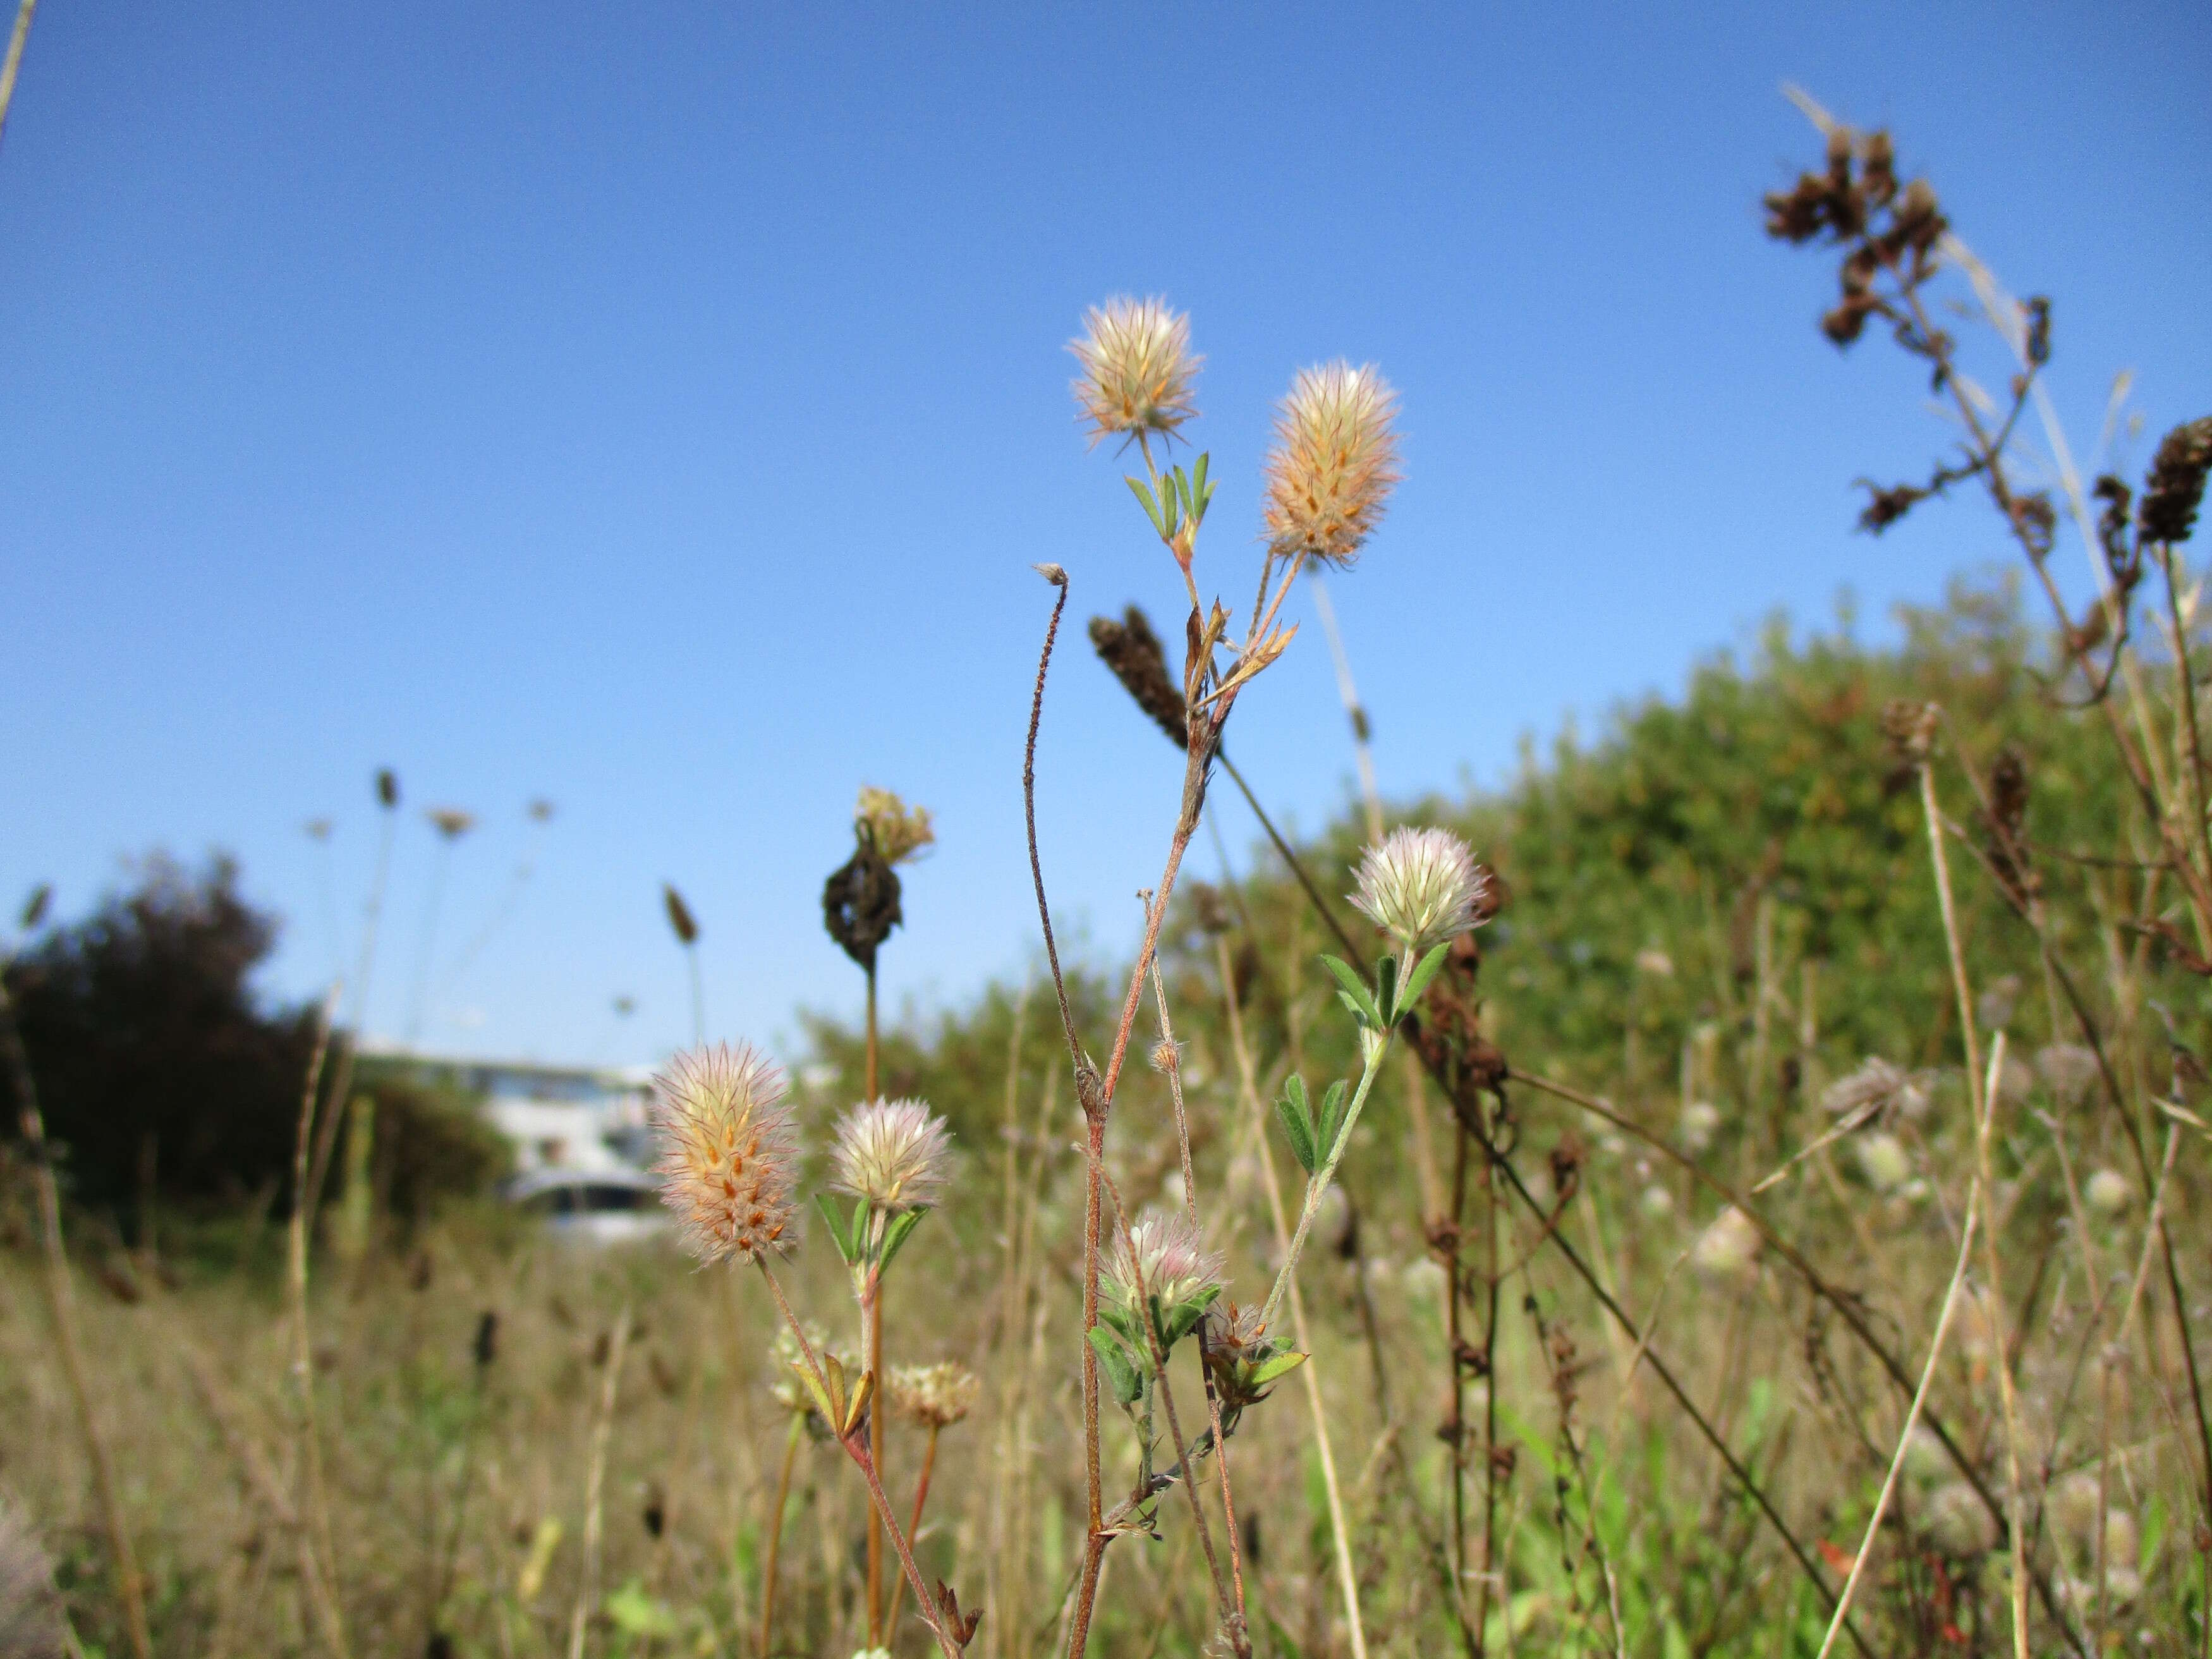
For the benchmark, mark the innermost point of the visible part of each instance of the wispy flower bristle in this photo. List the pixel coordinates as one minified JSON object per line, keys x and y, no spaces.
{"x":731,"y":1162}
{"x":1139,"y":371}
{"x":1334,"y":462}
{"x":894,"y":1153}
{"x":1421,"y":887}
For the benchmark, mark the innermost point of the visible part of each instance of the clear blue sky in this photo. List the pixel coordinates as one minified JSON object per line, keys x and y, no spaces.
{"x":658,"y":409}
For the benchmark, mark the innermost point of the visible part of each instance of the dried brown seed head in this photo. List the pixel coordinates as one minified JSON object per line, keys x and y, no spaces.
{"x":1133,"y":652}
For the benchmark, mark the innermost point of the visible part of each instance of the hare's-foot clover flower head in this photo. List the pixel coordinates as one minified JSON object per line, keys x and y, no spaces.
{"x":1242,"y":1360}
{"x":1164,"y":1257}
{"x":1334,"y":462}
{"x":1138,"y":369}
{"x":935,"y":1397}
{"x":893,"y":1154}
{"x":1422,"y":887}
{"x":731,"y":1155}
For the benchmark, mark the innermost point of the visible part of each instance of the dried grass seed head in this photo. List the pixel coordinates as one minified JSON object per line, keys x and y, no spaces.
{"x":1139,"y":371}
{"x":729,"y":1167}
{"x":895,"y":1153}
{"x":1422,"y":887}
{"x":935,"y":1397}
{"x":1133,"y":652}
{"x":2176,"y":484}
{"x":1164,"y":1255}
{"x":1334,"y":462}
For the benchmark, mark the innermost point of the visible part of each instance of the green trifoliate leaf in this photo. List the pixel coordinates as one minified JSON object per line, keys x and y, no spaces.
{"x":1356,"y":993}
{"x":1297,"y":1127}
{"x":1417,"y":981}
{"x":839,"y":1229}
{"x":1143,"y":492}
{"x":1332,"y":1120}
{"x":896,"y":1234}
{"x":1114,"y":1360}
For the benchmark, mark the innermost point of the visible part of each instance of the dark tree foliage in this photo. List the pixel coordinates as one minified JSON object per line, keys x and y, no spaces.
{"x":150,"y":1049}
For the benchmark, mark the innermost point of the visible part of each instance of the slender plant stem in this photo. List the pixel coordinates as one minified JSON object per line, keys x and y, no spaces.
{"x":14,"y":63}
{"x":775,"y":1530}
{"x":317,"y":1496}
{"x":603,"y":1423}
{"x":1378,"y":1046}
{"x":1347,"y":1578}
{"x":856,"y":1448}
{"x":60,"y":1296}
{"x":913,"y":1526}
{"x":1927,"y":1379}
{"x":1984,"y":1108}
{"x":1173,"y":1069}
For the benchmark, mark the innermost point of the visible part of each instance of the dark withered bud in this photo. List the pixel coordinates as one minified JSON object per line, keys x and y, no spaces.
{"x":1884,"y":507}
{"x":655,"y":1514}
{"x":2120,"y":552}
{"x":1839,"y":158}
{"x":1207,"y":907}
{"x":1878,"y":168}
{"x":1910,"y":728}
{"x":485,"y":1349}
{"x":2176,"y":483}
{"x":1140,"y":661}
{"x":1797,"y":215}
{"x":1920,"y":220}
{"x":679,"y":916}
{"x":34,"y":907}
{"x":2039,"y":525}
{"x":2038,"y":329}
{"x":387,"y":787}
{"x":602,"y":1345}
{"x":2007,"y":816}
{"x":860,"y":902}
{"x":1844,"y":324}
{"x":439,"y":1646}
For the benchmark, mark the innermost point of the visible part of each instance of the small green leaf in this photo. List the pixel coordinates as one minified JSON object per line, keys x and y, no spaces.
{"x":1118,"y":1316}
{"x":1355,"y":990}
{"x":1331,"y":1118}
{"x":1280,"y":1365}
{"x":1424,"y":971}
{"x":835,"y":1217}
{"x":1143,"y":492}
{"x":1297,"y":1128}
{"x":896,"y":1234}
{"x":1121,"y":1375}
{"x":1200,"y":493}
{"x":1386,"y":991}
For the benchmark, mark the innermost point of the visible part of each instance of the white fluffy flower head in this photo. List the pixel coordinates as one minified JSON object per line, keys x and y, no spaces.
{"x":894,"y":1153}
{"x":1421,"y":887}
{"x":1139,"y":371}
